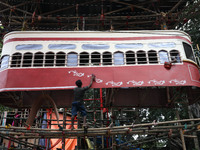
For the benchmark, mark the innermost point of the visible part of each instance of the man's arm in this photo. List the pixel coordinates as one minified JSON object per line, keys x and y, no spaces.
{"x":91,"y":81}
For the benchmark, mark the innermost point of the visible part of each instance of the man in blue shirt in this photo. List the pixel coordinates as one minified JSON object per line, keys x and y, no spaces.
{"x":77,"y":104}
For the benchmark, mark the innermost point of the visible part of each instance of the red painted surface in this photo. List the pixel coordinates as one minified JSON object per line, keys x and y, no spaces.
{"x":28,"y":79}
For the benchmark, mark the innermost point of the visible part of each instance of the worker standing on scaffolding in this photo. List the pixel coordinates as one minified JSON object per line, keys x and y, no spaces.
{"x":77,"y":104}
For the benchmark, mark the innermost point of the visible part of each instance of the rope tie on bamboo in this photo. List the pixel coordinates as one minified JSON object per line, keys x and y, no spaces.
{"x":198,"y":127}
{"x":108,"y":133}
{"x":170,"y":133}
{"x":50,"y":111}
{"x":28,"y":127}
{"x":128,"y":131}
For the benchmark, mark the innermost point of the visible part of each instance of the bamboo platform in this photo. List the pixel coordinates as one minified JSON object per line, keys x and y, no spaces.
{"x":145,"y":128}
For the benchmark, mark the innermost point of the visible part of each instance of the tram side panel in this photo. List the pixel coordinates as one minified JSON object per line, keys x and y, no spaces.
{"x":22,"y":75}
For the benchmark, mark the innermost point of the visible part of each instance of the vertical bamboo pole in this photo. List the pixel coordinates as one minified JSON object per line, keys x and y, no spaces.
{"x":101,"y":108}
{"x":64,"y":122}
{"x":181,"y":131}
{"x":196,"y":143}
{"x":78,"y":126}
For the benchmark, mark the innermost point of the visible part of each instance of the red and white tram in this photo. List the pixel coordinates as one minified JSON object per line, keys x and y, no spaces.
{"x":141,"y":67}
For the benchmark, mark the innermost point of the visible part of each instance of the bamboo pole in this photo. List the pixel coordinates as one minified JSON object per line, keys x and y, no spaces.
{"x":101,"y":108}
{"x":181,"y":132}
{"x":196,"y":143}
{"x":108,"y":128}
{"x":92,"y":133}
{"x":64,"y":122}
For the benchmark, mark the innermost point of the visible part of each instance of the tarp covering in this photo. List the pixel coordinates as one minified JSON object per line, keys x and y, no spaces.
{"x":69,"y":143}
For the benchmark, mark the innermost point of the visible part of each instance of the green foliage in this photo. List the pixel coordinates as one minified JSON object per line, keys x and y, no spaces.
{"x":190,"y":21}
{"x":4,"y":108}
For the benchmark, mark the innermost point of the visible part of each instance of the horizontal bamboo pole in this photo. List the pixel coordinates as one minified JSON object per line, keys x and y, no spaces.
{"x":108,"y":128}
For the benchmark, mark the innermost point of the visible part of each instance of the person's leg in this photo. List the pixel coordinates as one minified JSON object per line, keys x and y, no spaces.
{"x":84,"y":121}
{"x":72,"y":127}
{"x":83,"y":113}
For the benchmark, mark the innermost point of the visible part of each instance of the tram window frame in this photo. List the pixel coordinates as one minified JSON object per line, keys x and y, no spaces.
{"x":60,"y":58}
{"x":198,"y":61}
{"x":49,"y":61}
{"x":162,"y":61}
{"x":175,"y":58}
{"x":62,"y":46}
{"x":96,"y":58}
{"x":152,"y":57}
{"x":84,"y":59}
{"x":118,"y":60}
{"x":27,"y":62}
{"x":72,"y":63}
{"x":188,"y":51}
{"x":5,"y":64}
{"x":143,"y":59}
{"x":107,"y":60}
{"x":38,"y":62}
{"x":162,"y":45}
{"x":29,"y":47}
{"x":16,"y":60}
{"x":95,"y":46}
{"x":130,"y":60}
{"x":129,"y":45}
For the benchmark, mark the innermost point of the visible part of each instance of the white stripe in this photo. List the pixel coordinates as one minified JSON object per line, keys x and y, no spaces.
{"x":191,"y":73}
{"x":37,"y":88}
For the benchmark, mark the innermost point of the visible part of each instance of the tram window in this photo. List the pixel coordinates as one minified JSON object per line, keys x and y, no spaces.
{"x":162,"y":45}
{"x":62,"y":46}
{"x":163,"y":56}
{"x":198,"y":61}
{"x":72,"y":59}
{"x":118,"y":58}
{"x":29,"y":47}
{"x":141,"y":57}
{"x":60,"y":59}
{"x":128,"y":45}
{"x":152,"y":56}
{"x":27,"y":60}
{"x":49,"y":59}
{"x":96,"y":58}
{"x":188,"y":51}
{"x":16,"y":60}
{"x":5,"y":61}
{"x":175,"y":56}
{"x":95,"y":46}
{"x":130,"y":57}
{"x":84,"y":59}
{"x":107,"y":58}
{"x":38,"y":59}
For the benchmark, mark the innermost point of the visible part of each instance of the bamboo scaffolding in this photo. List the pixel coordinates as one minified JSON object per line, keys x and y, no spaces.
{"x":19,"y":141}
{"x":156,"y":131}
{"x":22,"y":132}
{"x":115,"y":127}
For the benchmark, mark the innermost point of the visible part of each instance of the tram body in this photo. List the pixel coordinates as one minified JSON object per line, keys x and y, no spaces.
{"x":139,"y":68}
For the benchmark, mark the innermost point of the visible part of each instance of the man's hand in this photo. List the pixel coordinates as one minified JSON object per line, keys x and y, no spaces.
{"x":93,"y":77}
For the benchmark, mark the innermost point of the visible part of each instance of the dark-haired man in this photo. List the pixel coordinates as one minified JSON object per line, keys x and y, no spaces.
{"x":77,"y":104}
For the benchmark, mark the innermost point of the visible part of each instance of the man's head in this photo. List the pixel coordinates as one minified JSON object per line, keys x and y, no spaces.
{"x":79,"y":83}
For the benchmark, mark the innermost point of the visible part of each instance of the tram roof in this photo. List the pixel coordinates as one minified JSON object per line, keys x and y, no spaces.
{"x":96,"y":33}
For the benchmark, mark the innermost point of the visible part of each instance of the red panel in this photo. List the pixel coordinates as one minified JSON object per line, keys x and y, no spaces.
{"x":106,"y":77}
